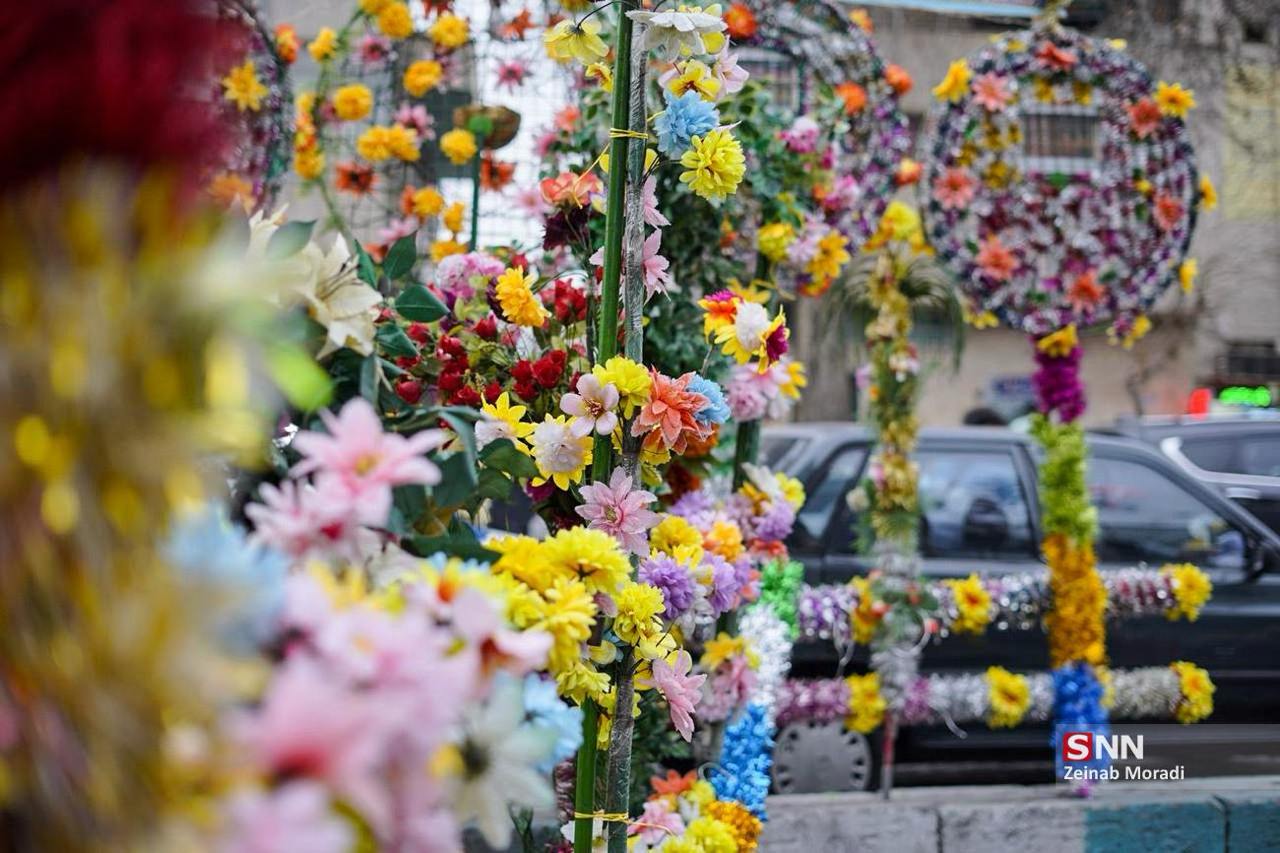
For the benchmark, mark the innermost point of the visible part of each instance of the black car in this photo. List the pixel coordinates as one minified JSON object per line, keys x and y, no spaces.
{"x":980,"y":514}
{"x":1237,"y":455}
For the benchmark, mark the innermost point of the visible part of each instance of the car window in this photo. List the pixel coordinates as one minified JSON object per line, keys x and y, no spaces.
{"x":972,"y":504}
{"x":774,"y":447}
{"x":1146,"y":516}
{"x":1260,"y":456}
{"x":828,"y":489}
{"x":1210,"y":454}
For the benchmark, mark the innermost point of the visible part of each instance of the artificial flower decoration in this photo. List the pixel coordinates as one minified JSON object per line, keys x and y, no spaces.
{"x":567,"y":41}
{"x":243,"y":88}
{"x":514,"y":294}
{"x":422,"y":76}
{"x":714,"y":165}
{"x":683,"y":31}
{"x":459,"y":145}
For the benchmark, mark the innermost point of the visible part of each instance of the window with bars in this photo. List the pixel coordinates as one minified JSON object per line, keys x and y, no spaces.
{"x":778,"y":73}
{"x":1061,"y":138}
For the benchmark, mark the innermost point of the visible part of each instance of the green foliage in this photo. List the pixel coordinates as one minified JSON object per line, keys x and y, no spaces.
{"x":1064,"y":492}
{"x":780,"y":582}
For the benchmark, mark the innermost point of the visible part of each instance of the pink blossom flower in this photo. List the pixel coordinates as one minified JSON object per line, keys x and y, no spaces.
{"x":299,"y":519}
{"x":309,"y":726}
{"x":297,"y":816}
{"x":1168,"y":211}
{"x":802,"y":136}
{"x":1144,"y":117}
{"x":657,"y":821}
{"x":657,"y":278}
{"x":416,"y":118}
{"x":652,"y":216}
{"x":529,"y":199}
{"x":729,"y":688}
{"x":592,"y":407}
{"x":511,"y":74}
{"x":374,"y":49}
{"x":954,"y":188}
{"x":619,"y":510}
{"x":364,"y":460}
{"x":495,"y":646}
{"x":731,"y":75}
{"x":992,"y":92}
{"x":395,"y":229}
{"x":995,"y":260}
{"x":680,"y":689}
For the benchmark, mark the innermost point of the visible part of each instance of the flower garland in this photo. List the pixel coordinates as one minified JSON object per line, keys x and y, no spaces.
{"x":1002,"y":699}
{"x":840,"y":612}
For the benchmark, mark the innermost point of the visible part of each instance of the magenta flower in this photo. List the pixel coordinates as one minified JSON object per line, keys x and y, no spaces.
{"x":619,"y":510}
{"x":365,"y":461}
{"x":511,"y":74}
{"x":681,"y":690}
{"x":592,"y":407}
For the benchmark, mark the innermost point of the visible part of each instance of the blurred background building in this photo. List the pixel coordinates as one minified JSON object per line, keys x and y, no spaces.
{"x":1223,"y":338}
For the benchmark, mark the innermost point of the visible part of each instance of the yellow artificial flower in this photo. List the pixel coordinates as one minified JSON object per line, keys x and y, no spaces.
{"x":1141,"y":326}
{"x":973,"y":605}
{"x":512,"y":417}
{"x":352,"y":102}
{"x":561,"y":456}
{"x":708,"y":835}
{"x":724,"y":538}
{"x":452,"y":216}
{"x":1208,"y":193}
{"x":714,"y":165}
{"x":459,"y":145}
{"x":1187,"y":274}
{"x":427,"y":201}
{"x":581,"y":681}
{"x":422,"y":76}
{"x":795,"y":380}
{"x":242,"y":87}
{"x":450,"y":31}
{"x":1191,"y":589}
{"x":1173,"y":100}
{"x":863,"y":619}
{"x":694,"y":76}
{"x":442,"y":249}
{"x":866,"y":704}
{"x":381,"y":142}
{"x":323,"y":46}
{"x":757,"y":290}
{"x":744,"y":826}
{"x":955,"y":85}
{"x":522,"y":558}
{"x":308,"y":163}
{"x":672,"y":532}
{"x":568,"y":40}
{"x":514,"y":291}
{"x":603,"y":73}
{"x":631,"y":379}
{"x":373,"y":7}
{"x":1059,"y":344}
{"x":1008,"y":698}
{"x":792,"y":489}
{"x":1197,"y":692}
{"x":567,"y":611}
{"x":723,"y":647}
{"x":394,"y":20}
{"x":639,"y":605}
{"x":829,"y":258}
{"x":773,"y":239}
{"x":592,"y":556}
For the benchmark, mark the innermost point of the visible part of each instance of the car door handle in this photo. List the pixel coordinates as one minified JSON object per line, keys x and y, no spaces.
{"x":1242,"y":493}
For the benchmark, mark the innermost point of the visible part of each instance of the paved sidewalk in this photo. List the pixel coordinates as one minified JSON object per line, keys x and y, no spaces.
{"x":1235,"y":814}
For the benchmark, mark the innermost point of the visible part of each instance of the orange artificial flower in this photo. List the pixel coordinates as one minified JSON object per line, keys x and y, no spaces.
{"x":286,"y":38}
{"x":740,"y":22}
{"x":898,"y":77}
{"x":516,"y":28}
{"x":495,"y":175}
{"x":853,"y":95}
{"x":567,"y":118}
{"x":354,"y":178}
{"x":908,"y":172}
{"x":674,"y":783}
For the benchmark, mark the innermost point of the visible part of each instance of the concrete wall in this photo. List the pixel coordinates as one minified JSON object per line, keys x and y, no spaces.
{"x":1202,"y":815}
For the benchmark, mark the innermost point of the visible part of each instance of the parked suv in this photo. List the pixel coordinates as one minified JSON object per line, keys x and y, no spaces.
{"x":979,"y":513}
{"x":1237,"y":455}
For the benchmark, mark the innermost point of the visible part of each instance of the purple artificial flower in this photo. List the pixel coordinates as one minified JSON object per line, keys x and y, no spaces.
{"x":1057,"y":385}
{"x":619,"y":510}
{"x":673,"y":580}
{"x":724,"y":584}
{"x":696,"y":507}
{"x":775,"y":525}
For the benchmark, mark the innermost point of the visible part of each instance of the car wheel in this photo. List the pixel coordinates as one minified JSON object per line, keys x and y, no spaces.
{"x":814,"y":757}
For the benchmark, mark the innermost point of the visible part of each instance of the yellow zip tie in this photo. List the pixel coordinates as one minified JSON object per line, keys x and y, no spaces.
{"x":619,"y":133}
{"x":619,"y":817}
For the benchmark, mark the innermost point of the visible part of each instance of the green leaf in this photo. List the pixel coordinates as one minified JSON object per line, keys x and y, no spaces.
{"x":400,"y":257}
{"x":493,"y":484}
{"x":394,"y":342}
{"x":408,"y":503}
{"x":458,"y":481}
{"x":456,"y":544}
{"x":419,"y":304}
{"x":289,"y":239}
{"x":466,"y":430}
{"x":365,"y":270}
{"x":501,"y":455}
{"x":304,"y":383}
{"x":369,"y":378}
{"x":1058,"y":180}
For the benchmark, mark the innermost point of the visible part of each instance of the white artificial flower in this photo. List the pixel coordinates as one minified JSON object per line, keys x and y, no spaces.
{"x":334,"y":296}
{"x":500,"y":754}
{"x":749,"y":325}
{"x":683,"y":31}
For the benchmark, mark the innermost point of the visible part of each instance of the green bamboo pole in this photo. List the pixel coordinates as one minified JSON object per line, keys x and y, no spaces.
{"x":606,"y":348}
{"x":475,"y":202}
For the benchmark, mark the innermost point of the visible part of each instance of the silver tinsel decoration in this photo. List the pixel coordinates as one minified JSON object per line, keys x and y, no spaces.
{"x":771,"y":639}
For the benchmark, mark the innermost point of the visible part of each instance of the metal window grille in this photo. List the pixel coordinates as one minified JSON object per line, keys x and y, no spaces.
{"x":1062,"y":138}
{"x":780,"y":74}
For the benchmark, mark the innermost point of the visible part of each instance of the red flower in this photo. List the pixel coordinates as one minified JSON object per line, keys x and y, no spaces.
{"x":1055,"y":57}
{"x":522,"y":371}
{"x":450,"y":347}
{"x":450,"y":380}
{"x":418,"y":332}
{"x":526,"y":391}
{"x":355,"y":178}
{"x":492,"y":391}
{"x":486,"y":328}
{"x":407,"y":362}
{"x":1144,"y":117}
{"x":548,"y":369}
{"x":465,"y":396}
{"x":409,"y":390}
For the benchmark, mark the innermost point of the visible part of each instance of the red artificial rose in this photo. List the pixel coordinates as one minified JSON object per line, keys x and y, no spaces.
{"x":409,"y":390}
{"x":526,"y":391}
{"x":407,"y":362}
{"x":418,"y":332}
{"x":486,"y":328}
{"x":548,"y":369}
{"x":465,"y":396}
{"x":493,"y":391}
{"x":451,"y":347}
{"x":522,"y":371}
{"x":450,"y":380}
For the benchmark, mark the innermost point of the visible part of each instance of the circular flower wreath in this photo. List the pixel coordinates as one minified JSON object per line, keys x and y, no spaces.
{"x":835,"y":48}
{"x":1041,"y":242}
{"x":252,"y":100}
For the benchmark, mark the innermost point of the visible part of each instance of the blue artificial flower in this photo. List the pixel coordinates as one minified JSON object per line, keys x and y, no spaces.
{"x":717,"y":409}
{"x":1077,"y":705}
{"x":542,"y":707}
{"x":207,"y":548}
{"x":685,"y":117}
{"x":745,"y":760}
